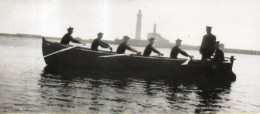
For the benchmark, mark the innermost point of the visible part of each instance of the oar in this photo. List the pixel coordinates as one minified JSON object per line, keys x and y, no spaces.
{"x":59,"y":51}
{"x":80,"y":40}
{"x":115,"y":55}
{"x":229,"y":58}
{"x":186,"y":62}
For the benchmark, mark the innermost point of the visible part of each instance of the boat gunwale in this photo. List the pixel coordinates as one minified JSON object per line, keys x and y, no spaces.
{"x":130,"y":55}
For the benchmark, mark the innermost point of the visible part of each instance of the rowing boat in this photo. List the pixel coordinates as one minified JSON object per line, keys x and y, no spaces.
{"x":69,"y":60}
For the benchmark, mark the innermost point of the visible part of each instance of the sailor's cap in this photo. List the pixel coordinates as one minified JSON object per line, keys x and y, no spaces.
{"x":178,"y":40}
{"x":70,"y":28}
{"x":100,"y":33}
{"x":126,"y":37}
{"x":150,"y":39}
{"x":208,"y":27}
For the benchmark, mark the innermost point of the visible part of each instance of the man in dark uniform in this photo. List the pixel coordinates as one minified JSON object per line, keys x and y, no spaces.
{"x":97,"y":42}
{"x":124,"y":46}
{"x":176,"y":50}
{"x":219,"y":55}
{"x":67,"y":37}
{"x":207,"y":47}
{"x":149,"y":48}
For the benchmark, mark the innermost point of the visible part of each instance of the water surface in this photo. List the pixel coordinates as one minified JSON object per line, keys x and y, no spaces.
{"x":23,"y":88}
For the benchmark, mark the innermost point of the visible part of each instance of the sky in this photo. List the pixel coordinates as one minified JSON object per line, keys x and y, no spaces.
{"x":236,"y":23}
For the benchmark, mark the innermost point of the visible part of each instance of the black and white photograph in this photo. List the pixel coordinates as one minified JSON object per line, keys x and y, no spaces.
{"x":129,"y":56}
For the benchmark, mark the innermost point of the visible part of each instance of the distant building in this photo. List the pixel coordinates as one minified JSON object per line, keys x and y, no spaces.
{"x":160,"y":41}
{"x":138,"y":26}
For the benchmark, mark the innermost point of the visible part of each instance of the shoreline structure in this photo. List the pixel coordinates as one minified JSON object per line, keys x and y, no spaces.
{"x":138,"y":43}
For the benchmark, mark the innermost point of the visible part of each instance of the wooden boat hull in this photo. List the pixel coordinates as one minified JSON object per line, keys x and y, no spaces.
{"x":83,"y":61}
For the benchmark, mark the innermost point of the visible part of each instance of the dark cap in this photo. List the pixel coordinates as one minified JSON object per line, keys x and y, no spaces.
{"x":178,"y":40}
{"x":217,"y":42}
{"x":126,"y":37}
{"x":100,"y":33}
{"x":208,"y":27}
{"x":150,"y":39}
{"x":70,"y":28}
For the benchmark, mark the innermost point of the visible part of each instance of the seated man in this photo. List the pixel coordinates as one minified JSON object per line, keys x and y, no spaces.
{"x":176,"y":50}
{"x":67,"y":37}
{"x":219,"y":55}
{"x":97,"y":42}
{"x":149,"y":48}
{"x":123,"y":46}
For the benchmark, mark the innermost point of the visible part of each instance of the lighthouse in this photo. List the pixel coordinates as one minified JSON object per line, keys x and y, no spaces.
{"x":138,"y":26}
{"x":154,"y":28}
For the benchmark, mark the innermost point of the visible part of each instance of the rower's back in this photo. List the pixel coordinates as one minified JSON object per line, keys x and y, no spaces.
{"x":95,"y":44}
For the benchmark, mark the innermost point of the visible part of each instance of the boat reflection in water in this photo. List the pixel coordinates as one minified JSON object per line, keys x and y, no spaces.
{"x":68,"y":93}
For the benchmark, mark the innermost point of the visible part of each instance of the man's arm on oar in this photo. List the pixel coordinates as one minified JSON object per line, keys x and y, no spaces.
{"x":132,"y":49}
{"x":77,"y":40}
{"x":105,"y":45}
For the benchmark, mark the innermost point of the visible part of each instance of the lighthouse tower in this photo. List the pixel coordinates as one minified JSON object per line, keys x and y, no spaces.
{"x":138,"y":26}
{"x":154,"y":28}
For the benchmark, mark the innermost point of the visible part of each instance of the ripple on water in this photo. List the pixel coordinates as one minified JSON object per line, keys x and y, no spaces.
{"x":24,"y":89}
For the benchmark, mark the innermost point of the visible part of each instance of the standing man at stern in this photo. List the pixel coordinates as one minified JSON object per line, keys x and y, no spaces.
{"x":207,"y":47}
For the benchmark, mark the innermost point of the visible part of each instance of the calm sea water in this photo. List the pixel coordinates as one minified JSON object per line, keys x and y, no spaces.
{"x":24,"y":89}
